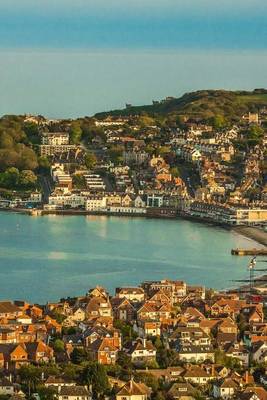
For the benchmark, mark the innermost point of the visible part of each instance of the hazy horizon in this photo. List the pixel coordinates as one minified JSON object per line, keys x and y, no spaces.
{"x":62,"y":58}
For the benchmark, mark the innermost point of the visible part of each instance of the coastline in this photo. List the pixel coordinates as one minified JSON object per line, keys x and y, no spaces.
{"x":254,"y":233}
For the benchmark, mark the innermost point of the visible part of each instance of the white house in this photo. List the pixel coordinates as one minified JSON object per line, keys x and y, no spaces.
{"x":74,"y":393}
{"x":225,"y":389}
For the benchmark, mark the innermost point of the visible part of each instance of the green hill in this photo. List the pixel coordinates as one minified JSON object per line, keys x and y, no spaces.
{"x":202,"y":104}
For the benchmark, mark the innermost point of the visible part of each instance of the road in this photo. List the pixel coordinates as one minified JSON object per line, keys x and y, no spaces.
{"x":46,"y":187}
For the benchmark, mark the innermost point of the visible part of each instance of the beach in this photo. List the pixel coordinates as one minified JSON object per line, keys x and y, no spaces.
{"x":257,"y":234}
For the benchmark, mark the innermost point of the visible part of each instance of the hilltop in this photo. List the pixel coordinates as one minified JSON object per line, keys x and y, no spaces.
{"x":202,"y":104}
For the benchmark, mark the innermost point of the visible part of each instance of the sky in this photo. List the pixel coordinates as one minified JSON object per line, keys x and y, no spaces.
{"x":68,"y":58}
{"x":133,"y":24}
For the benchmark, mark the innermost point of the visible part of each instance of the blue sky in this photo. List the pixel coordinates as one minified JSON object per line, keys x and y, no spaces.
{"x":198,"y":24}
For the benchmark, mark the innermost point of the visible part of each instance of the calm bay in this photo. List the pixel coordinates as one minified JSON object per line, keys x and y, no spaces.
{"x":45,"y":258}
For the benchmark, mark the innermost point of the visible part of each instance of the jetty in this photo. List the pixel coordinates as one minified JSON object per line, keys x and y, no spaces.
{"x":249,"y":252}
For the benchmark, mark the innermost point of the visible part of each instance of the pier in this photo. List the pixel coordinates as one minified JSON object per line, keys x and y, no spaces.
{"x":249,"y":252}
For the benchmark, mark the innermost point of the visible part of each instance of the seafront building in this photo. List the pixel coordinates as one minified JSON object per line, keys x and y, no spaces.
{"x":194,"y":170}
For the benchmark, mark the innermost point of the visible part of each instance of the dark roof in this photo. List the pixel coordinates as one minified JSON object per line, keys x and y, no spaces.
{"x":8,"y":307}
{"x":74,"y":391}
{"x":181,"y":389}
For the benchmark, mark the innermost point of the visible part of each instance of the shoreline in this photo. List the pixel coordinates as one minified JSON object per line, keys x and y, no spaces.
{"x":250,"y":232}
{"x":254,"y":233}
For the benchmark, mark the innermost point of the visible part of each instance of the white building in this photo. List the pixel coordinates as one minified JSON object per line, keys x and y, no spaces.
{"x":96,"y":203}
{"x":60,"y":199}
{"x":55,"y":138}
{"x":94,"y":182}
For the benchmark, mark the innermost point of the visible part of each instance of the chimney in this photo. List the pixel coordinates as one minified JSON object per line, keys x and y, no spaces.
{"x":246,"y":377}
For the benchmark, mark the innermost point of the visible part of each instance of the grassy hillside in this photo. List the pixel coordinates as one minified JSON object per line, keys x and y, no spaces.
{"x":201,"y":104}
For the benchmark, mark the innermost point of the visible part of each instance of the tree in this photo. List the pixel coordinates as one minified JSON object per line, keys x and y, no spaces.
{"x":30,"y":376}
{"x":158,"y":343}
{"x":8,"y":158}
{"x":90,"y":160}
{"x":124,"y":360}
{"x":95,"y":374}
{"x":75,"y":133}
{"x":27,"y":179}
{"x":71,"y":371}
{"x":27,"y":157}
{"x":175,"y":172}
{"x":78,"y":181}
{"x":46,"y":393}
{"x":115,"y":153}
{"x":6,"y":141}
{"x":166,"y":357}
{"x":254,"y":135}
{"x":44,"y":164}
{"x":79,"y":355}
{"x":10,"y":178}
{"x":32,"y":132}
{"x":58,"y":346}
{"x":125,"y":329}
{"x":145,"y":121}
{"x":218,"y":122}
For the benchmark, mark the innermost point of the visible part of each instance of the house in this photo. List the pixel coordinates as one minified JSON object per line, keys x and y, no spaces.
{"x":258,"y":391}
{"x":227,"y":307}
{"x":133,"y":391}
{"x":13,"y":356}
{"x":123,"y":309}
{"x":175,"y":290}
{"x":77,"y":316}
{"x":182,"y":391}
{"x":154,"y":200}
{"x":74,"y":393}
{"x":8,"y":335}
{"x":139,"y":202}
{"x":6,"y":387}
{"x":259,"y":351}
{"x":196,"y":353}
{"x":95,"y":203}
{"x":126,"y":201}
{"x":92,"y":333}
{"x":141,"y":351}
{"x":154,"y":311}
{"x":169,"y":374}
{"x":151,"y":328}
{"x":9,"y":310}
{"x":225,"y":388}
{"x":227,"y":325}
{"x":57,"y":382}
{"x":55,"y":138}
{"x":39,"y":352}
{"x":187,"y":335}
{"x":98,"y":306}
{"x":134,"y":294}
{"x":104,"y":351}
{"x":197,"y":375}
{"x":239,"y":352}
